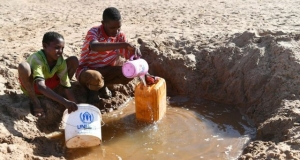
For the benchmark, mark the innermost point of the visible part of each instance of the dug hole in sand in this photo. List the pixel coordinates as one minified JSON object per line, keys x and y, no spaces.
{"x":256,"y":71}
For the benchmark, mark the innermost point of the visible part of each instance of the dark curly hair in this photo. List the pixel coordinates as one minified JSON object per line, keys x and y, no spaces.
{"x":51,"y":36}
{"x":111,"y":13}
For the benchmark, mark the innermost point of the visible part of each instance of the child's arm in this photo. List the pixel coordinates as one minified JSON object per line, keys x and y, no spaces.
{"x":91,"y":41}
{"x":70,"y":96}
{"x":104,"y":46}
{"x":71,"y":106}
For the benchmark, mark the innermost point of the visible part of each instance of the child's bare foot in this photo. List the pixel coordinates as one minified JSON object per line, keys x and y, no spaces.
{"x":36,"y":110}
{"x":105,"y":93}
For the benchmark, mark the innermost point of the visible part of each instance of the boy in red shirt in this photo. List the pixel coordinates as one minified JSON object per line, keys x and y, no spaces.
{"x":102,"y":48}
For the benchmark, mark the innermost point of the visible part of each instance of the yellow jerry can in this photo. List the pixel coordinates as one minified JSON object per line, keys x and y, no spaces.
{"x":151,"y":101}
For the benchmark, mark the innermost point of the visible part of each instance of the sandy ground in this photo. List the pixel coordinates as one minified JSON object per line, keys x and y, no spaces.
{"x":241,"y":52}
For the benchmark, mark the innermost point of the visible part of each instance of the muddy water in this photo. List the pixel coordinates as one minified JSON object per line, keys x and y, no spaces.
{"x":190,"y":130}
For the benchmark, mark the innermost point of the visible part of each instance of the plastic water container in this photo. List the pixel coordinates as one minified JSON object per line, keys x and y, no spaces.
{"x":150,"y":101}
{"x":82,"y":127}
{"x":135,"y":68}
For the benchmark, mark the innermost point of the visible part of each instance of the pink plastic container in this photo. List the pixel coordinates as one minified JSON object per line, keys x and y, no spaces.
{"x":135,"y":68}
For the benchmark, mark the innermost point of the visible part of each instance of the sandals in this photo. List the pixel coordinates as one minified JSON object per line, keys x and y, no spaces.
{"x":37,"y":111}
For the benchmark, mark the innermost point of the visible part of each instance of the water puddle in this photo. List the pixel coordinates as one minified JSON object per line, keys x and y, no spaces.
{"x":189,"y":130}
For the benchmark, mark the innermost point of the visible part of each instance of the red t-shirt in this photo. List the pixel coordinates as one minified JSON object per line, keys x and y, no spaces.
{"x":92,"y":59}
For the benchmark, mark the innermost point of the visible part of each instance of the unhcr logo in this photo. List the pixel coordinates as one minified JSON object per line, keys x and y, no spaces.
{"x":86,"y":117}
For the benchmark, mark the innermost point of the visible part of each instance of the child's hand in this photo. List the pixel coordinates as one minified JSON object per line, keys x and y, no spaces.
{"x":135,"y":50}
{"x":71,"y":106}
{"x":137,"y":53}
{"x":130,"y":47}
{"x":150,"y":79}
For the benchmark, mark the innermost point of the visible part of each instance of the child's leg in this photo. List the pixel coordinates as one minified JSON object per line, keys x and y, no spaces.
{"x":72,"y":64}
{"x":113,"y":75}
{"x":92,"y":79}
{"x":26,"y":79}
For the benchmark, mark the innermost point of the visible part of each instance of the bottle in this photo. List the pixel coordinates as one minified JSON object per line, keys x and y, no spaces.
{"x":151,"y":101}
